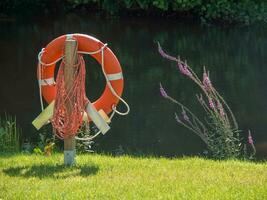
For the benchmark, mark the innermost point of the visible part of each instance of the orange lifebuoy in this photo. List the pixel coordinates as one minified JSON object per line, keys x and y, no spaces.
{"x":54,"y":51}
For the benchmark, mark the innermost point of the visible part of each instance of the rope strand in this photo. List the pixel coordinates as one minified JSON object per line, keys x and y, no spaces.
{"x":66,"y":124}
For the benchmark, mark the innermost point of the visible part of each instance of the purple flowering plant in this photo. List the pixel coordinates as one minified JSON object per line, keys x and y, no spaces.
{"x":219,"y":129}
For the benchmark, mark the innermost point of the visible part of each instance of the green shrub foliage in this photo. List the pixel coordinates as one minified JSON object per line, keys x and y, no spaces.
{"x":230,"y":11}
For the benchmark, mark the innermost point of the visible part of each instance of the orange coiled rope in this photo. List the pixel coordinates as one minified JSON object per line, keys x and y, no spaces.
{"x":66,"y":123}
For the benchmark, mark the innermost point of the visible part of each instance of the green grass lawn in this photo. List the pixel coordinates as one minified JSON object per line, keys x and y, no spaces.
{"x":105,"y":177}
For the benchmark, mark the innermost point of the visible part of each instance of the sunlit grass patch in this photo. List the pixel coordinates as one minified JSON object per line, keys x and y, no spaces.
{"x":125,"y":177}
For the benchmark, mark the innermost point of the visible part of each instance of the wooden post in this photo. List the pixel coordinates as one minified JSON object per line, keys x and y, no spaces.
{"x":70,"y":61}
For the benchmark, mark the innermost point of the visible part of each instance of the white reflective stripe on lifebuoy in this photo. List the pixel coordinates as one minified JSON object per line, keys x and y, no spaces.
{"x":113,"y":77}
{"x":48,"y":81}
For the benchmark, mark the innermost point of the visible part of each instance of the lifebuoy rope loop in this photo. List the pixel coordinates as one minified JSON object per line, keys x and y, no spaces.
{"x":103,"y":70}
{"x":107,"y":77}
{"x":40,"y":86}
{"x":60,"y":58}
{"x":40,"y":64}
{"x":47,"y":64}
{"x":112,"y":89}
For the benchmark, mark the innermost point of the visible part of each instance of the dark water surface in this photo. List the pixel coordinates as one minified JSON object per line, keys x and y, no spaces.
{"x":236,"y":58}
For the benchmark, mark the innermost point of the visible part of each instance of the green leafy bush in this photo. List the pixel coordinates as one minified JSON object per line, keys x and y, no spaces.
{"x":245,"y":11}
{"x":181,"y":5}
{"x":231,"y":11}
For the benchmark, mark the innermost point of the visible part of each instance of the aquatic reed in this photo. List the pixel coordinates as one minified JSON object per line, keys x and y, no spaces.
{"x":10,"y":134}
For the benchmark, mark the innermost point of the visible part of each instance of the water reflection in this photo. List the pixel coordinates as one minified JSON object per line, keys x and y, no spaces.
{"x":235,"y":57}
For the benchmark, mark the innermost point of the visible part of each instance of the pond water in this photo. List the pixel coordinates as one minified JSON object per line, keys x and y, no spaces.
{"x":236,"y":58}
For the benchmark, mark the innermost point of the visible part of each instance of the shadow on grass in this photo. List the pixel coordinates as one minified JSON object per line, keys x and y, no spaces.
{"x":51,"y":171}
